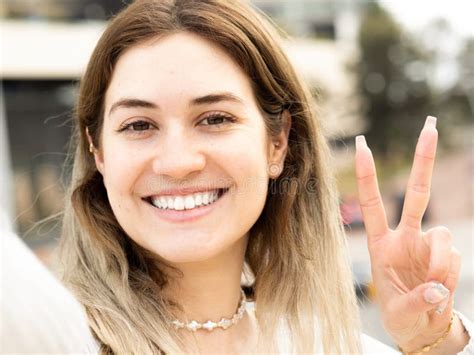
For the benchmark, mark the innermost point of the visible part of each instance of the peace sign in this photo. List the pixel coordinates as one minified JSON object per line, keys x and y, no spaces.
{"x":415,"y":273}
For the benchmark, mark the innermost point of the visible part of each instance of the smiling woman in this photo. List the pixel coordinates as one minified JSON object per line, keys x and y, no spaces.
{"x":189,"y":125}
{"x":172,"y":143}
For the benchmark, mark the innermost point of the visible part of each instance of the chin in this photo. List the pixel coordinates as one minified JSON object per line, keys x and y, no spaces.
{"x":197,"y":250}
{"x":187,"y":255}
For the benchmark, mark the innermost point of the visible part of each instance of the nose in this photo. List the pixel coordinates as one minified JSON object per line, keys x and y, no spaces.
{"x":179,"y":155}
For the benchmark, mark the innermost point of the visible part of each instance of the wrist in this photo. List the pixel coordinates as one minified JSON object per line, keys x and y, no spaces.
{"x":456,"y":340}
{"x":451,"y":341}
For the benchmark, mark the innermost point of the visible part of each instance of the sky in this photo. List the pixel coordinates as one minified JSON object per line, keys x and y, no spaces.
{"x":415,"y":14}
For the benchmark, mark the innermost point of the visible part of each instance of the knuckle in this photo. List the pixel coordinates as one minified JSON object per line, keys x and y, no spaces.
{"x":374,"y":237}
{"x":443,"y":230}
{"x":370,"y":202}
{"x":439,"y":271}
{"x":443,"y":234}
{"x":412,"y":220}
{"x":366,"y":177}
{"x":425,"y":157}
{"x":421,"y":188}
{"x":413,"y":301}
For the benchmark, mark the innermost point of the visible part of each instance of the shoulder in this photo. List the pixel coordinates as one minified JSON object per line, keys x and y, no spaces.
{"x":39,"y":315}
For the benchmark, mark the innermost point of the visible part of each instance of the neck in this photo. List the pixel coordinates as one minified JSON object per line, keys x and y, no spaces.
{"x":210,"y":289}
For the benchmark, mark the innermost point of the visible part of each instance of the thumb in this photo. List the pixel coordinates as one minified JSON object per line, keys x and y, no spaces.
{"x":423,"y":298}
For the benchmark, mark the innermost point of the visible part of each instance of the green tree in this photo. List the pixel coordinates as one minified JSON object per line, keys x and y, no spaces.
{"x":466,"y":78}
{"x":392,"y":72}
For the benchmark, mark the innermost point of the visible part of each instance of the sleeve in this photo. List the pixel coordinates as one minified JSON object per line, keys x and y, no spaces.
{"x":372,"y":346}
{"x":469,"y":326}
{"x":38,"y":314}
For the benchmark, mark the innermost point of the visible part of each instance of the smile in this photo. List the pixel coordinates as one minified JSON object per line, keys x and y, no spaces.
{"x":186,"y":202}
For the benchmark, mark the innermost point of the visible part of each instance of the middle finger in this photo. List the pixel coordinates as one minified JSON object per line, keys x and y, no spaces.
{"x":419,"y":183}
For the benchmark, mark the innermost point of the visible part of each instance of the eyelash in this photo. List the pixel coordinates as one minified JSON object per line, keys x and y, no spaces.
{"x":227,"y":118}
{"x":128,"y":126}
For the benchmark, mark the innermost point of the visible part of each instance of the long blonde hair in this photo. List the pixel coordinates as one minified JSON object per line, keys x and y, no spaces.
{"x":296,"y":250}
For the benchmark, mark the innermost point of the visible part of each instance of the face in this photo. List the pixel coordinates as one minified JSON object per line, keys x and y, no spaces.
{"x":184,"y":152}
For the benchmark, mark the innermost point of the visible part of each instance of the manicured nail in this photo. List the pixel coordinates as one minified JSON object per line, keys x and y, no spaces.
{"x":360,"y":142}
{"x":436,"y":293}
{"x":440,"y":309}
{"x":430,"y":122}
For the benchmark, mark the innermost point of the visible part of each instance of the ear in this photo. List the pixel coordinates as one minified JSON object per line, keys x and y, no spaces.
{"x":279,"y":146}
{"x":99,"y":160}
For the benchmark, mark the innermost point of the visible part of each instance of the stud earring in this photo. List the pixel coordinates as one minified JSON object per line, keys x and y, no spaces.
{"x":274,"y":170}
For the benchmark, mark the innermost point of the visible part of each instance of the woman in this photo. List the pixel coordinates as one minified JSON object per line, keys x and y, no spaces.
{"x":197,"y":157}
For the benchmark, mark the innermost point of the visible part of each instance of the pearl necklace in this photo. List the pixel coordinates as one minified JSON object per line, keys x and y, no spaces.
{"x":224,"y":323}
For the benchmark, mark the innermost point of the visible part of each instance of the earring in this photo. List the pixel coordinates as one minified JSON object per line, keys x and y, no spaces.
{"x":91,"y":147}
{"x":274,"y":170}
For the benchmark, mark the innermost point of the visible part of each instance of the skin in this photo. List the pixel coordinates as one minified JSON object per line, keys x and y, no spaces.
{"x":407,"y":262}
{"x":175,"y":146}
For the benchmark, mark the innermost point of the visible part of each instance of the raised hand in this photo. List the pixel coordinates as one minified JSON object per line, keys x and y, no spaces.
{"x":415,"y":273}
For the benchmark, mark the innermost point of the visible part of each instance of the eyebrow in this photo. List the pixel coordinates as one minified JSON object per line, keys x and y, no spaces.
{"x":202,"y":100}
{"x":216,"y":97}
{"x":131,"y":103}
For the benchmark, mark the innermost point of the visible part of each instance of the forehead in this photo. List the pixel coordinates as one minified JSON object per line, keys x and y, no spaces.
{"x":177,"y":67}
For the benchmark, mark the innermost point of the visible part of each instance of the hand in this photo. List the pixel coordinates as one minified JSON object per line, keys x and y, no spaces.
{"x":415,"y":273}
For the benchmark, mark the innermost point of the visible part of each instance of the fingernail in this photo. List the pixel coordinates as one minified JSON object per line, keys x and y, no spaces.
{"x":440,"y":309}
{"x":436,"y":293}
{"x":430,"y":122}
{"x":360,"y":142}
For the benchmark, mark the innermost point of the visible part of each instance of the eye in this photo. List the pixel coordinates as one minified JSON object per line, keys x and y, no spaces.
{"x":217,"y":119}
{"x":136,"y":127}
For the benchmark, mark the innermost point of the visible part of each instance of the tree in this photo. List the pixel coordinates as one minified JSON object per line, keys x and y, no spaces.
{"x":392,"y":83}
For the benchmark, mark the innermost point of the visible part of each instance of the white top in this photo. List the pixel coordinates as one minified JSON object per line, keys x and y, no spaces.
{"x":40,"y":315}
{"x":369,"y":344}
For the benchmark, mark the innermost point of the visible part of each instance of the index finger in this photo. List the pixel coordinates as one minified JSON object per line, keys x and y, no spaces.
{"x":375,"y":220}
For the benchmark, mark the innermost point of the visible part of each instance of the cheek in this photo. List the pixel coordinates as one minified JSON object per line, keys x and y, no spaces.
{"x":244,"y":159}
{"x":121,"y":169}
{"x":245,"y":156}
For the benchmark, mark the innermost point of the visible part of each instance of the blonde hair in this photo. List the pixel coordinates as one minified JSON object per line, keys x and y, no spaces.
{"x":296,"y":250}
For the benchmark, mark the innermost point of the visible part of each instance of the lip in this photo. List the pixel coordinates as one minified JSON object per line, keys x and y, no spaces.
{"x":187,"y":215}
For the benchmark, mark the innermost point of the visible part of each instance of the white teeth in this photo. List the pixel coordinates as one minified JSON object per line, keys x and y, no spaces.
{"x":198,"y":199}
{"x":170,"y":202}
{"x":187,"y":202}
{"x":179,"y":203}
{"x":162,"y":202}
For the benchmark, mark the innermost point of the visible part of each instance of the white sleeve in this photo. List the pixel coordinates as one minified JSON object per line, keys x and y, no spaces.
{"x":372,"y":346}
{"x":38,"y":314}
{"x":469,"y":326}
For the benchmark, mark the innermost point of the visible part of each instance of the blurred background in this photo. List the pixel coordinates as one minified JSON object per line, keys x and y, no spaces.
{"x":375,"y":68}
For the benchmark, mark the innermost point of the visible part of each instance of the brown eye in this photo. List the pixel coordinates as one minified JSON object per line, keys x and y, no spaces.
{"x":136,"y":127}
{"x":217,"y":119}
{"x":140,"y":126}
